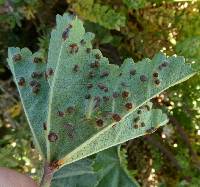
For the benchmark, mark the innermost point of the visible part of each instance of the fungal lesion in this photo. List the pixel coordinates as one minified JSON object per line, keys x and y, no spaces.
{"x":17,"y":57}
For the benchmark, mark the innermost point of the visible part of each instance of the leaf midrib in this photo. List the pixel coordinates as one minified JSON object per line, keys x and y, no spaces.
{"x":50,"y":101}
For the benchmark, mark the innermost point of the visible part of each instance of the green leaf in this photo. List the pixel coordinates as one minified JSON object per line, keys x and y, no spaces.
{"x":88,"y":95}
{"x":24,"y":66}
{"x":78,"y":174}
{"x":143,"y":121}
{"x":110,"y":170}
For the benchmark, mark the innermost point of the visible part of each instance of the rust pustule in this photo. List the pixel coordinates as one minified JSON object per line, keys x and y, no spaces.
{"x":125,"y":94}
{"x":99,"y":122}
{"x":129,"y":106}
{"x":157,"y":82}
{"x":73,"y":48}
{"x":21,"y":81}
{"x":17,"y":57}
{"x":35,"y":89}
{"x":52,"y":137}
{"x":50,"y":72}
{"x":136,"y":126}
{"x":34,"y":83}
{"x":116,"y":117}
{"x":155,"y":74}
{"x":95,"y":64}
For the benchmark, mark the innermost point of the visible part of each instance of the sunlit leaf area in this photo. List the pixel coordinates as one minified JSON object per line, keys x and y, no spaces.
{"x":122,"y":28}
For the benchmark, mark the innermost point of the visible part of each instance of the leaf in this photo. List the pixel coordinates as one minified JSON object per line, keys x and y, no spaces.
{"x":110,"y":171}
{"x":88,"y":95}
{"x":141,"y":122}
{"x":78,"y":174}
{"x":24,"y":65}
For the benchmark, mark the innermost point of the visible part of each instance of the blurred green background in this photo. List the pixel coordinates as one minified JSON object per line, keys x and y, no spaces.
{"x":123,"y":28}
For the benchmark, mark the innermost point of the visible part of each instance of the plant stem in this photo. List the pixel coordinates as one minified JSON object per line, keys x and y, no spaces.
{"x":47,"y":176}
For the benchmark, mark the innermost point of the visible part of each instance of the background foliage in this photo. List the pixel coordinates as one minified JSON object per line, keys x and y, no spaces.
{"x":123,"y":28}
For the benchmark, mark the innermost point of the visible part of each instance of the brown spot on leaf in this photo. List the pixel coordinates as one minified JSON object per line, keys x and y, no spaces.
{"x":50,"y":72}
{"x":136,"y":126}
{"x":35,"y":89}
{"x":157,"y":82}
{"x":125,"y":94}
{"x":21,"y":81}
{"x":116,"y":117}
{"x":73,"y":48}
{"x":99,"y":122}
{"x":52,"y":137}
{"x":95,"y":64}
{"x":17,"y":57}
{"x":129,"y":106}
{"x":155,"y":74}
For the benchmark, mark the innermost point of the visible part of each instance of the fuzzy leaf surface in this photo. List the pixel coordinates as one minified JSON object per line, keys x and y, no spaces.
{"x":34,"y":104}
{"x":84,"y":103}
{"x":140,"y":123}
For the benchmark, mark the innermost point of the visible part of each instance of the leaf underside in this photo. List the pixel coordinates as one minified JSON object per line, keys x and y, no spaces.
{"x":88,"y":104}
{"x":34,"y":102}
